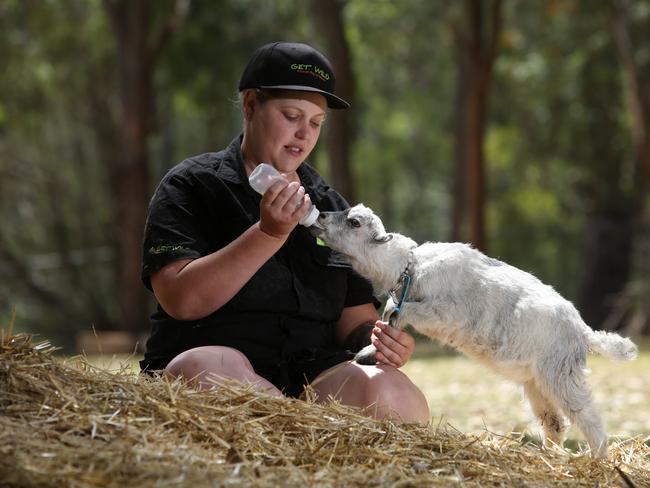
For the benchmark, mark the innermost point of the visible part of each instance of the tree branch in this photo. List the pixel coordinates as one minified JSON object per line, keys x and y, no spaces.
{"x":115,"y":11}
{"x":173,"y":22}
{"x":495,"y":31}
{"x":25,"y":278}
{"x":636,"y":99}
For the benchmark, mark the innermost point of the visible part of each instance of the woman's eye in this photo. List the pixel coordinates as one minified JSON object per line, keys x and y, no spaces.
{"x":354,"y":222}
{"x":291,"y":117}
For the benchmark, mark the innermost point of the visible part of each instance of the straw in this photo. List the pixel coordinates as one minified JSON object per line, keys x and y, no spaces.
{"x":67,"y":423}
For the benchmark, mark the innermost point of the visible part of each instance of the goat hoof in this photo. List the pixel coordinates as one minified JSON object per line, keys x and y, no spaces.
{"x":366,"y":356}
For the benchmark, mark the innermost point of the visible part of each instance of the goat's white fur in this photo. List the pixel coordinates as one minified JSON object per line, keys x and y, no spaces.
{"x":491,"y":311}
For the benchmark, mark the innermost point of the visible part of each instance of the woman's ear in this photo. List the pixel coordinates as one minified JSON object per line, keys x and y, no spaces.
{"x":248,"y":104}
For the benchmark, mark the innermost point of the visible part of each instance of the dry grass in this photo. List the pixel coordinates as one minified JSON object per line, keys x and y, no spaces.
{"x":70,"y":424}
{"x":465,"y":394}
{"x":472,"y":398}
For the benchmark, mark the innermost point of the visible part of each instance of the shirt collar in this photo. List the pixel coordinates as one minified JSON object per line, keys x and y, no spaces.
{"x":232,"y":169}
{"x":232,"y":165}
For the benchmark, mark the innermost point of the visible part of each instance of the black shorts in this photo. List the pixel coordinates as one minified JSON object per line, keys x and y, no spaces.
{"x":289,"y":375}
{"x":292,"y":374}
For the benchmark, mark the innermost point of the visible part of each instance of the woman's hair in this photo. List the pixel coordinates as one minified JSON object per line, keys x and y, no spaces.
{"x":263,"y":95}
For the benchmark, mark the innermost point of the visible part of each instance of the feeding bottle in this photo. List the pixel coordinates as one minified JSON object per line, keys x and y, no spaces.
{"x":263,"y":176}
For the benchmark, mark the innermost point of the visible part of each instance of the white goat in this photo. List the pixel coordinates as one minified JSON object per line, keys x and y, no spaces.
{"x":487,"y":309}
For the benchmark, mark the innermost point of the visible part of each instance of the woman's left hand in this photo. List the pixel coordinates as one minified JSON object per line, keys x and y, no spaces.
{"x":394,"y":346}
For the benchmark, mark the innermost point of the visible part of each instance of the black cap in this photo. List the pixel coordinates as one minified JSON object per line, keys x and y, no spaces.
{"x":291,"y":66}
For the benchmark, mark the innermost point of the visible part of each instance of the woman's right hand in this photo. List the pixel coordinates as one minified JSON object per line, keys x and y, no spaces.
{"x":282,"y":207}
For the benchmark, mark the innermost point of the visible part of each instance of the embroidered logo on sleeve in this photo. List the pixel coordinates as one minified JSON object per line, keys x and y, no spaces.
{"x":165,"y":249}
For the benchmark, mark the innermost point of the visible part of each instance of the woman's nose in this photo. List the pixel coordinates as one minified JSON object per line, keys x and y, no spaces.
{"x":304,"y":129}
{"x":301,"y":132}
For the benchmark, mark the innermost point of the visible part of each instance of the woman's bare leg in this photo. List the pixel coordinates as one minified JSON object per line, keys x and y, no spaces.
{"x":384,"y":391}
{"x":207,"y":364}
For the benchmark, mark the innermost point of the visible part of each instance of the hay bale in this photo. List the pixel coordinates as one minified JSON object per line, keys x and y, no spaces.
{"x":70,"y":424}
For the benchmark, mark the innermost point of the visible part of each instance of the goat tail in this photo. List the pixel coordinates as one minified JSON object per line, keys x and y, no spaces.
{"x":612,"y":345}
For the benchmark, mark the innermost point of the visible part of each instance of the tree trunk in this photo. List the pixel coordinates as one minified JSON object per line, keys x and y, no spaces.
{"x":475,"y":165}
{"x":639,"y":108}
{"x":339,"y":134}
{"x":637,"y":102}
{"x":477,"y":52}
{"x":607,"y":251}
{"x":137,"y":53}
{"x":612,"y":197}
{"x":130,"y":172}
{"x":459,"y":170}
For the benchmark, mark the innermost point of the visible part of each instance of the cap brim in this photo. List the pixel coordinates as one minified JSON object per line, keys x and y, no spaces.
{"x":332,"y":100}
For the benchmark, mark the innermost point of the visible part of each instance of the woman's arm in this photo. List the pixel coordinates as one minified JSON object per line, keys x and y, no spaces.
{"x":190,"y":289}
{"x":355,"y":326}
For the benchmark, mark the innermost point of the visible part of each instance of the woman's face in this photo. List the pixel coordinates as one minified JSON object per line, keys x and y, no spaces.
{"x":283,"y":131}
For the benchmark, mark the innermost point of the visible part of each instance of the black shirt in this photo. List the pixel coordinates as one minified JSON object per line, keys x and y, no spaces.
{"x":283,"y":318}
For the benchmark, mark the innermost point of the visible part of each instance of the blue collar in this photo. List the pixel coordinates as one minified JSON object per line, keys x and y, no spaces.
{"x":403,"y":283}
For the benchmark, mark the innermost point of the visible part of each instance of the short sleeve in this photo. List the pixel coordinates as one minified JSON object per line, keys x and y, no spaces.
{"x":173,"y":228}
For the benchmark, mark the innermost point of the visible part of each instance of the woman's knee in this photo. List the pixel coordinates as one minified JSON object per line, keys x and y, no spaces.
{"x":208,"y":364}
{"x":395,"y":395}
{"x":208,"y":359}
{"x":383,"y":391}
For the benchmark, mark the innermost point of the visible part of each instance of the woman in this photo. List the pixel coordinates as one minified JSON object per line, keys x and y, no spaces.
{"x":246,"y":293}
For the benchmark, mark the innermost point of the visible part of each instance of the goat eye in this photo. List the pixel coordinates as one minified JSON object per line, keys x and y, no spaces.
{"x":354,"y":222}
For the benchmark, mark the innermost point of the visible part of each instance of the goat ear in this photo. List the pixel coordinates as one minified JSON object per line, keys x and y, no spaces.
{"x":381,"y":239}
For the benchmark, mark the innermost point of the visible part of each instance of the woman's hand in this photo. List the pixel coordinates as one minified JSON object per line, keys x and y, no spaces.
{"x":282,"y":207}
{"x":394,"y":346}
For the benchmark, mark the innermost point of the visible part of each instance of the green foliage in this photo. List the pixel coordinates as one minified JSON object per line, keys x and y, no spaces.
{"x":557,"y":141}
{"x":405,"y":82}
{"x":53,"y":189}
{"x":199,"y":73}
{"x":557,"y":147}
{"x":533,"y":211}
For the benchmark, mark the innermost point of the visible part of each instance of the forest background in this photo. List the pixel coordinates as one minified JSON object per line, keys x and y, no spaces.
{"x":518,"y":126}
